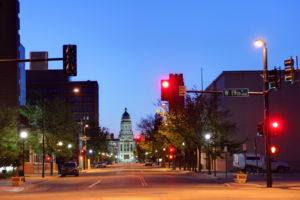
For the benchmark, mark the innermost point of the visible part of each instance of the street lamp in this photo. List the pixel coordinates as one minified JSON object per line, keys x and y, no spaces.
{"x":260,"y":43}
{"x":207,"y":137}
{"x":23,"y":135}
{"x":91,"y":151}
{"x":60,"y":144}
{"x":69,"y":146}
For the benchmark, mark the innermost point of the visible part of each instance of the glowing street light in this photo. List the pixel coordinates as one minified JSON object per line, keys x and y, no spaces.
{"x":60,"y":144}
{"x":69,"y":146}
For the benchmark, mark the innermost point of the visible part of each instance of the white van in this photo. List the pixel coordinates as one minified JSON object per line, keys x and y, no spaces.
{"x":250,"y":164}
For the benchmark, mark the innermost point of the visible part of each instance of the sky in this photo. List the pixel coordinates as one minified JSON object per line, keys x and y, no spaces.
{"x":128,"y":46}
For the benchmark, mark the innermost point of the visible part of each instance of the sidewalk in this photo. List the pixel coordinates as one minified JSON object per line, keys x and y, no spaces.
{"x":32,"y":181}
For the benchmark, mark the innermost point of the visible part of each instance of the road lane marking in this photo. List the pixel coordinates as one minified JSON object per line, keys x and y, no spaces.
{"x":95,"y":184}
{"x":143,"y":181}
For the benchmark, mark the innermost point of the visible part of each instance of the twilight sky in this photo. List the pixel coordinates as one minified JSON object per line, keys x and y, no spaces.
{"x":128,"y":46}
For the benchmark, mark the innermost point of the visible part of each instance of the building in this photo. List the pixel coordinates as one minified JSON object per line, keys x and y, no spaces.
{"x":125,"y":145}
{"x":53,"y":83}
{"x":12,"y":76}
{"x":247,"y":112}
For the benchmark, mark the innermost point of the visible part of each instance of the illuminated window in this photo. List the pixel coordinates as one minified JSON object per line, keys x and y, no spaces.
{"x":87,"y":117}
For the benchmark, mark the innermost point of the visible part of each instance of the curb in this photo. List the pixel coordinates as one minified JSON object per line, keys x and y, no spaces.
{"x":237,"y":185}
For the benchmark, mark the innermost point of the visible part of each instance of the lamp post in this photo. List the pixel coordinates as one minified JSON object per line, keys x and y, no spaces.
{"x":184,"y":164}
{"x":207,"y":137}
{"x":260,"y":43}
{"x":24,"y":135}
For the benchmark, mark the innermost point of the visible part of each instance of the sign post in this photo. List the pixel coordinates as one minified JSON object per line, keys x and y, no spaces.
{"x":225,"y":150}
{"x":182,"y":91}
{"x":245,"y":149}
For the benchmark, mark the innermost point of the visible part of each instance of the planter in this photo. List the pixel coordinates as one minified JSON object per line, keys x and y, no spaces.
{"x":17,"y":181}
{"x":240,"y":178}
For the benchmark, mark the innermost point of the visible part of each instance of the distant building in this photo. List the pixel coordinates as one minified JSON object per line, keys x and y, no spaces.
{"x":125,"y":145}
{"x":12,"y":75}
{"x":247,"y":112}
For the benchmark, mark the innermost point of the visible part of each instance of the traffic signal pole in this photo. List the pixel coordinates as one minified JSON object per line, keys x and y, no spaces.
{"x":267,"y":128}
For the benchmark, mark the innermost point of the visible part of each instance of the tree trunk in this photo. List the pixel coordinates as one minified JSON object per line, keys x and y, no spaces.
{"x":199,"y":157}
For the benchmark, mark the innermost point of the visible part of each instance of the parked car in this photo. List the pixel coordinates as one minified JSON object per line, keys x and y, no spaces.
{"x":101,"y":164}
{"x":148,"y":162}
{"x":69,"y":168}
{"x":108,"y":162}
{"x":249,"y":164}
{"x":116,"y":162}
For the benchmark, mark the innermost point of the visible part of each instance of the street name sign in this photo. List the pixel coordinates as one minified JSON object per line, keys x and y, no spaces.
{"x":244,"y":147}
{"x":182,"y":91}
{"x":238,"y":92}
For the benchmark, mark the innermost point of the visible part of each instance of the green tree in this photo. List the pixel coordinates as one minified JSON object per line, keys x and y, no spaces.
{"x":98,"y":142}
{"x":9,"y":139}
{"x":60,"y":128}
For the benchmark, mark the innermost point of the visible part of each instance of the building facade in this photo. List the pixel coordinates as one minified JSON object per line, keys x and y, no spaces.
{"x":247,"y":112}
{"x":12,"y":76}
{"x":125,"y":145}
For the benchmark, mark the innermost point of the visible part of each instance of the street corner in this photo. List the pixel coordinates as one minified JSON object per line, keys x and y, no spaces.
{"x":241,"y":185}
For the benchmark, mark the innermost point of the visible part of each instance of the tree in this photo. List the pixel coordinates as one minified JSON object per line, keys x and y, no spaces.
{"x":9,"y":139}
{"x":98,"y":142}
{"x":60,"y":128}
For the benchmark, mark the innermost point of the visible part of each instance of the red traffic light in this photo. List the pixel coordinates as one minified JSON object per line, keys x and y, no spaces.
{"x":171,"y":149}
{"x":165,"y":84}
{"x":275,"y":124}
{"x":171,"y":156}
{"x":138,"y":138}
{"x":274,"y":149}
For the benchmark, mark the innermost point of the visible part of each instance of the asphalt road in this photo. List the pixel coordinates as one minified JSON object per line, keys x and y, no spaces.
{"x":138,"y":182}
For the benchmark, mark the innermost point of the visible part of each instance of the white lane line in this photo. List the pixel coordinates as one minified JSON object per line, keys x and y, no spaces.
{"x":143,"y":181}
{"x":95,"y":184}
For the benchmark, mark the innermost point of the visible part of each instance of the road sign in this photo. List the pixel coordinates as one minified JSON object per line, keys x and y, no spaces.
{"x":182,"y":90}
{"x":244,"y":147}
{"x":225,"y":148}
{"x":238,"y":92}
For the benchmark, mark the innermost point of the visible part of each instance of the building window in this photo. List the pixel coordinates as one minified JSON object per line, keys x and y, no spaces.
{"x":87,"y":108}
{"x":58,"y":90}
{"x":72,"y":99}
{"x":90,"y":99}
{"x":76,"y":117}
{"x":83,"y":89}
{"x":29,"y":100}
{"x":76,"y":99}
{"x":87,"y":117}
{"x":90,"y":108}
{"x":83,"y":108}
{"x":79,"y":108}
{"x":50,"y":90}
{"x":79,"y":99}
{"x":72,"y":109}
{"x":79,"y":119}
{"x":69,"y":99}
{"x":76,"y":109}
{"x":90,"y":90}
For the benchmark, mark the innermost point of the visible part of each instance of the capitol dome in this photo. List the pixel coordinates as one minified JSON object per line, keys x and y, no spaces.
{"x":125,"y":115}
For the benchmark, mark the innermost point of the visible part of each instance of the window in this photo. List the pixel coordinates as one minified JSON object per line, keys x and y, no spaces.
{"x":79,"y":119}
{"x":69,"y":90}
{"x":76,"y":117}
{"x":76,"y":99}
{"x":76,"y":109}
{"x":62,"y":99}
{"x":83,"y":108}
{"x":79,"y":99}
{"x":54,"y":90}
{"x":90,"y":108}
{"x":62,"y":90}
{"x":79,"y":108}
{"x":29,"y":91}
{"x":83,"y":117}
{"x":90,"y":90}
{"x":50,"y":90}
{"x":58,"y":90}
{"x":87,"y":108}
{"x":83,"y":89}
{"x":87,"y":117}
{"x":90,"y":98}
{"x":29,"y":100}
{"x":72,"y":99}
{"x":72,"y":109}
{"x":83,"y":99}
{"x":87,"y":99}
{"x":33,"y":100}
{"x":69,"y":99}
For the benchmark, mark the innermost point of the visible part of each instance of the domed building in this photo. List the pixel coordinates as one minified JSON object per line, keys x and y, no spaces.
{"x":125,"y":143}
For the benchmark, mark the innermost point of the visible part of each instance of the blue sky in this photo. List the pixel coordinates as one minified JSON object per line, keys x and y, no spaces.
{"x":128,"y":46}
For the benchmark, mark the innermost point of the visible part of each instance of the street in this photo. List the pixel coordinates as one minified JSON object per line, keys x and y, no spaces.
{"x":136,"y":181}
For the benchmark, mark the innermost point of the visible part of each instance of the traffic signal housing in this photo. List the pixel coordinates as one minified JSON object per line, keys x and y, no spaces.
{"x":289,"y":71}
{"x":273,"y":79}
{"x":70,"y":60}
{"x":274,"y":149}
{"x":275,"y":128}
{"x":138,"y":138}
{"x":165,"y":90}
{"x":82,"y":152}
{"x":260,"y":129}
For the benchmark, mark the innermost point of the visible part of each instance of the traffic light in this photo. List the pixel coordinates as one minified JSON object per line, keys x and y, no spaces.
{"x":171,"y":150}
{"x":138,"y":138}
{"x":260,"y":129}
{"x":165,"y":90}
{"x":273,"y":78}
{"x":70,"y":60}
{"x":171,"y":157}
{"x":275,"y":128}
{"x":274,"y":149}
{"x":289,"y":71}
{"x":82,"y":152}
